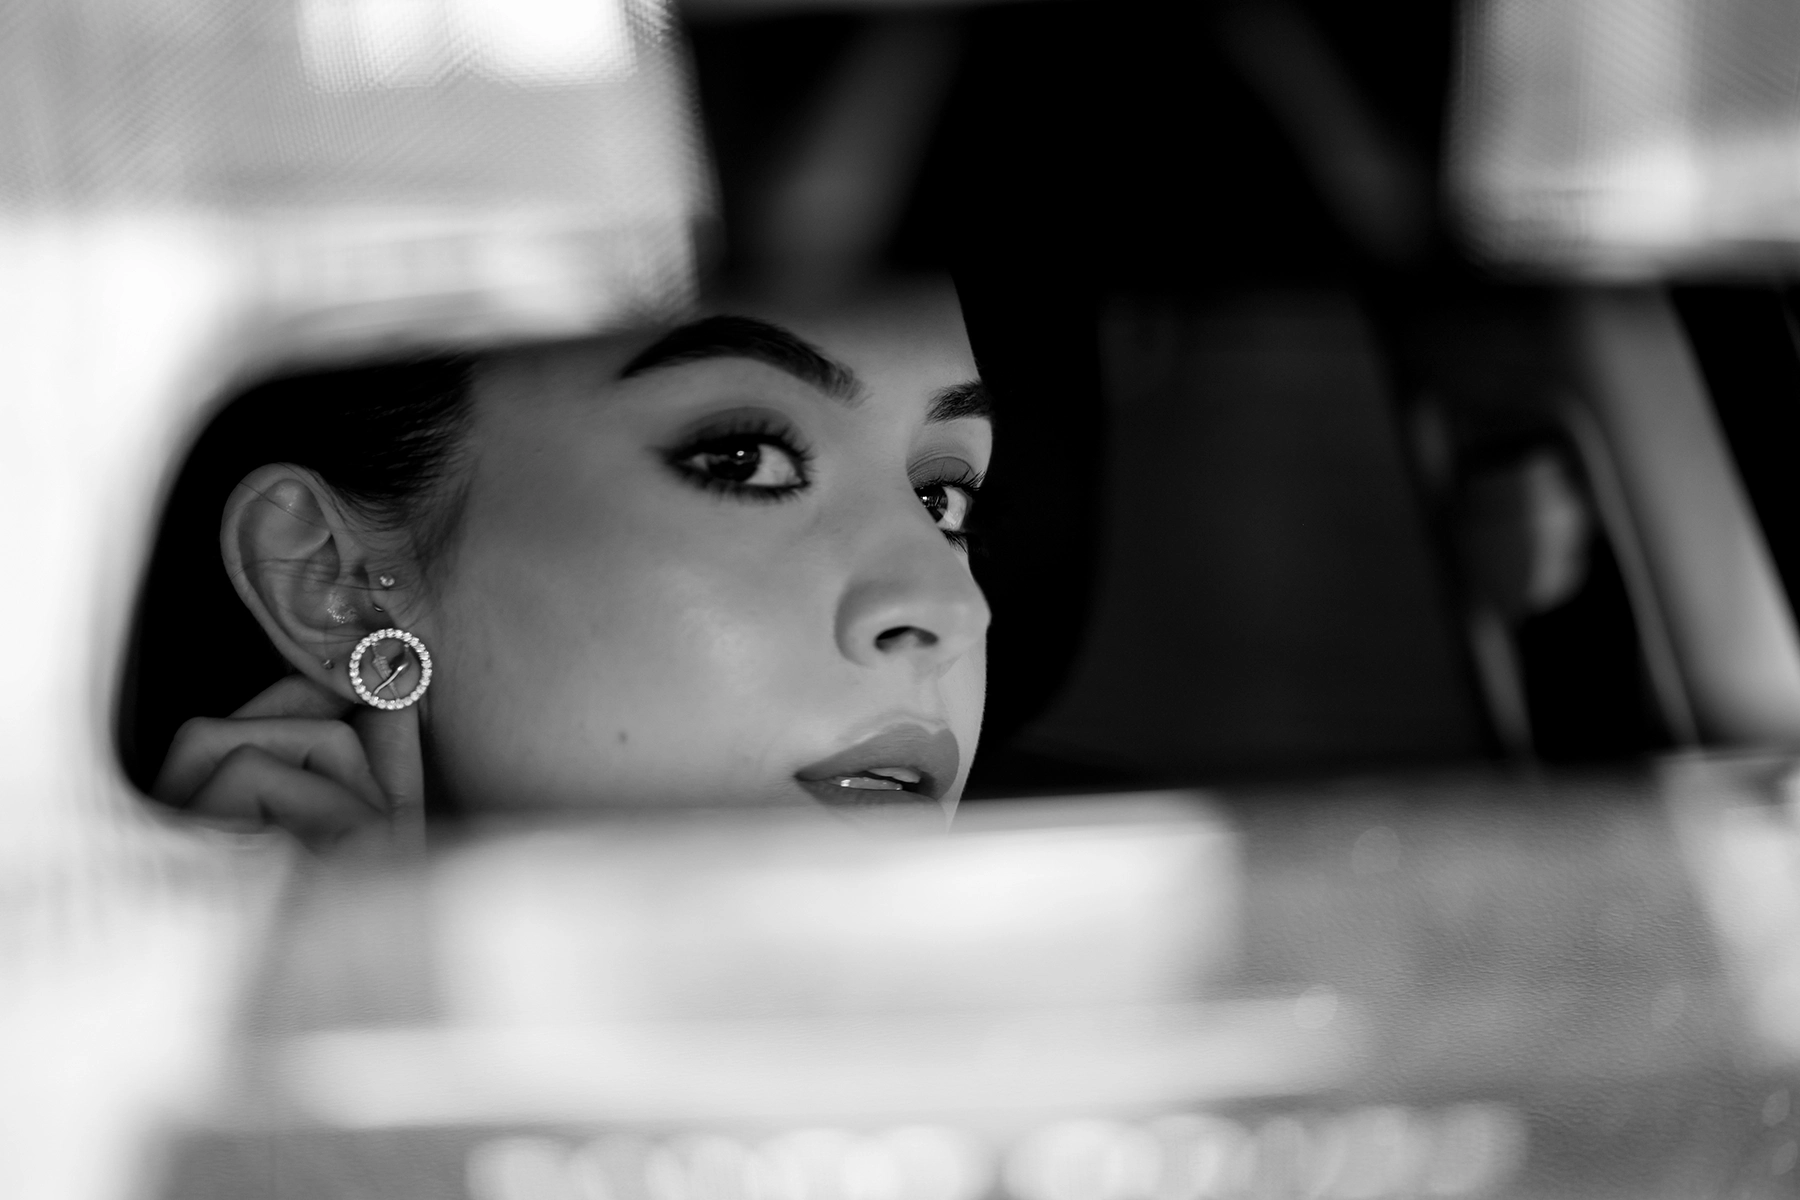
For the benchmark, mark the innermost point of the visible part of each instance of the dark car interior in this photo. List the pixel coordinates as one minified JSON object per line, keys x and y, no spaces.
{"x":1277,"y":436}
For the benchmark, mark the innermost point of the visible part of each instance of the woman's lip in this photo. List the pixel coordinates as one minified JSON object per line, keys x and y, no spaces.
{"x":934,"y":754}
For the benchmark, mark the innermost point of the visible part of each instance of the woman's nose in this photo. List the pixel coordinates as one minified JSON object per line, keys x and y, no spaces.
{"x":913,"y":600}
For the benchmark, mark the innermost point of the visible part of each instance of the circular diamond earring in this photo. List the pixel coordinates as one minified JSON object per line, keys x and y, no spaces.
{"x":395,"y":667}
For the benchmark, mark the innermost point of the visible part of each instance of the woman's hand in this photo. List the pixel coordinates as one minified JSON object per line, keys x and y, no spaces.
{"x":290,"y":758}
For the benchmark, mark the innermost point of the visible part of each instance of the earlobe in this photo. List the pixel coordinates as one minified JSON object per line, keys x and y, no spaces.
{"x":300,"y":567}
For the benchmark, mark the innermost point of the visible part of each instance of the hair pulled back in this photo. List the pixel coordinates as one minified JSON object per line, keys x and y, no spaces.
{"x":386,"y":437}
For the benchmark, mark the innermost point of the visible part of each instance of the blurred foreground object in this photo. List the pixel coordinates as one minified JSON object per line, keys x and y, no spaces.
{"x":191,"y":195}
{"x":1627,"y":138}
{"x":1449,"y":989}
{"x":350,"y":174}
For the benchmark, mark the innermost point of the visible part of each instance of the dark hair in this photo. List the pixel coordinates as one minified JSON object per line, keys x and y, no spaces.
{"x":384,"y":436}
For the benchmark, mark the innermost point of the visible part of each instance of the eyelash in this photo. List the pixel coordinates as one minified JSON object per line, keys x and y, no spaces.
{"x":970,"y":482}
{"x":736,"y":435}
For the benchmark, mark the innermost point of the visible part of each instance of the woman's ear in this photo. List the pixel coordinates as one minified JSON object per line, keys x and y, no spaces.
{"x":302,"y":568}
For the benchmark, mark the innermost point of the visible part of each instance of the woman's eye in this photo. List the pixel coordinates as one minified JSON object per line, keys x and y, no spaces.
{"x":751,"y":462}
{"x":948,"y":504}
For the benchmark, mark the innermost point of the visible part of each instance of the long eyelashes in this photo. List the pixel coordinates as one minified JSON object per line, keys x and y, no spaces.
{"x":950,"y":501}
{"x":755,"y":458}
{"x":750,"y":459}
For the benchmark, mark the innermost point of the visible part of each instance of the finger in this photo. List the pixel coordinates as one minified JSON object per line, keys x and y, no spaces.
{"x":253,"y":787}
{"x":391,"y":739}
{"x":296,"y":696}
{"x":330,"y":749}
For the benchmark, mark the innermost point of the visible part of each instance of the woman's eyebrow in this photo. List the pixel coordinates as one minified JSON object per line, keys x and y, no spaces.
{"x":746,"y":337}
{"x":969,"y":399}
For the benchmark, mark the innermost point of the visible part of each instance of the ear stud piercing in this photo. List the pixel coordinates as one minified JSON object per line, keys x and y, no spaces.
{"x":403,"y":671}
{"x":385,"y":580}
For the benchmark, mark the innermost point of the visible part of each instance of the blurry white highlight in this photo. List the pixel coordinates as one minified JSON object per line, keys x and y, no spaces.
{"x":1316,"y":1008}
{"x":878,"y":1066}
{"x":919,"y":1162}
{"x":771,"y":970}
{"x":770,"y":920}
{"x":1369,"y":1153}
{"x":349,"y":44}
{"x":1745,"y":858}
{"x":1622,"y":138}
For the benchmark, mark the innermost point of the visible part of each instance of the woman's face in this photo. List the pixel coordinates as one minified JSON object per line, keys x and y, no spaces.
{"x":731,"y":576}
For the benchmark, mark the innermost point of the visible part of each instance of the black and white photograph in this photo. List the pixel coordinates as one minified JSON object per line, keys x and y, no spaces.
{"x":900,"y":600}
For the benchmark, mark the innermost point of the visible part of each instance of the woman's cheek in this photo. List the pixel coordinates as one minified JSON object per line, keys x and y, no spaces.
{"x":968,"y":702}
{"x":737,"y":630}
